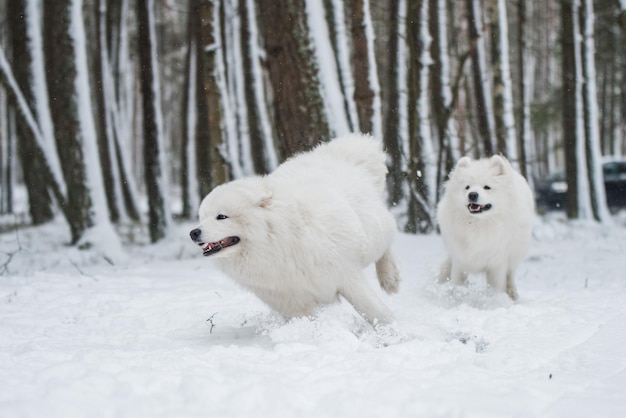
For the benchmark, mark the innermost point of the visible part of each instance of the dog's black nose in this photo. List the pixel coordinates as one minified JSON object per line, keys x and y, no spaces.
{"x":472,"y":196}
{"x":195,"y":234}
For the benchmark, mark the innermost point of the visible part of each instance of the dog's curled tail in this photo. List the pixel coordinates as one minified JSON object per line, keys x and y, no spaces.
{"x":363,"y":151}
{"x":388,"y":273}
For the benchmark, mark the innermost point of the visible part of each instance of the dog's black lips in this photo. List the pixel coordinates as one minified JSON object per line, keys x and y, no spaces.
{"x":476,"y":208}
{"x":213,"y":247}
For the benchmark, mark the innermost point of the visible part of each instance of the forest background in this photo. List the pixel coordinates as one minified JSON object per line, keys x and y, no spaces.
{"x":127,"y":112}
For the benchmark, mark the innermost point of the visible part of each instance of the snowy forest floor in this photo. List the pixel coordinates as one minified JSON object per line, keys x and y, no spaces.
{"x":163,"y":333}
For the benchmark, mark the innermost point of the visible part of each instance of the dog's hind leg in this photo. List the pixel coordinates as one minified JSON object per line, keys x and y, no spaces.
{"x":362,"y":297}
{"x":511,"y":289}
{"x":388,"y":273}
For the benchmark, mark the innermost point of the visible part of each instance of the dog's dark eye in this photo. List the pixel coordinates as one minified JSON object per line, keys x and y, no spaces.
{"x":466,"y":187}
{"x":221,"y":217}
{"x":487,"y":188}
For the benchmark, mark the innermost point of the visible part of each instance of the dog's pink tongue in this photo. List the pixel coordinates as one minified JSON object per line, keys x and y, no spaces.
{"x":473,"y":207}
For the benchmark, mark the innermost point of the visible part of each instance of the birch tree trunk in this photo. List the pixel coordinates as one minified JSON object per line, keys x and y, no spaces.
{"x":592,"y":130}
{"x":481,"y":86}
{"x":502,"y":86}
{"x":525,"y":77}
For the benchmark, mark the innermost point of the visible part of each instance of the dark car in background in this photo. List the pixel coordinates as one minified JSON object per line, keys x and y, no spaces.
{"x":551,"y":192}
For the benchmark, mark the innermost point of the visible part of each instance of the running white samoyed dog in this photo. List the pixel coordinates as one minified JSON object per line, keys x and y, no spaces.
{"x":301,"y":236}
{"x":485,"y":217}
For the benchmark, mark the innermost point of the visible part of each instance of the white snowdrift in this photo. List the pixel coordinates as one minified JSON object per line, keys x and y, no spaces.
{"x":167,"y":335}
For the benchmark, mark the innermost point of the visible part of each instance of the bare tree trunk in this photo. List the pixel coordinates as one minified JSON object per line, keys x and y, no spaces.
{"x":298,"y":107}
{"x":363,"y":94}
{"x":420,"y":214}
{"x":569,"y":105}
{"x":502,"y":88}
{"x":152,"y":129}
{"x":61,"y":76}
{"x":103,"y":121}
{"x":212,"y":168}
{"x":255,"y":128}
{"x":7,"y":145}
{"x":483,"y":109}
{"x":442,"y":100}
{"x":590,"y":105}
{"x":391,"y":138}
{"x":39,"y":199}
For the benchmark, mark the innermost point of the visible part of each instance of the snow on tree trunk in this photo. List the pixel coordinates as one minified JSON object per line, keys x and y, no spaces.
{"x":367,"y":87}
{"x":235,"y":89}
{"x":261,"y":135}
{"x":377,"y":119}
{"x":19,"y":101}
{"x":442,"y":92}
{"x":101,"y":233}
{"x":396,"y":80}
{"x":189,"y":184}
{"x":216,"y":158}
{"x":503,"y":89}
{"x":330,"y":88}
{"x":103,"y":115}
{"x":298,"y":108}
{"x":70,"y":104}
{"x":222,"y":100}
{"x":526,"y":69}
{"x":591,"y":119}
{"x":153,"y":146}
{"x":482,"y":88}
{"x":584,"y":201}
{"x":421,"y":163}
{"x":343,"y":61}
{"x":39,"y":199}
{"x":6,"y":158}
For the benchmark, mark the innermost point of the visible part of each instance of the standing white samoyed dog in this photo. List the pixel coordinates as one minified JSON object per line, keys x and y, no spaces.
{"x":301,"y":236}
{"x":485,"y":217}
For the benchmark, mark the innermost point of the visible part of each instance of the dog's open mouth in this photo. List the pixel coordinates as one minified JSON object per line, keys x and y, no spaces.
{"x":476,"y":208}
{"x":213,"y":247}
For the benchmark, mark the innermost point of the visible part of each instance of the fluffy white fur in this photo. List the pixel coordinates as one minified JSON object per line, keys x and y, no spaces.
{"x":485,"y":217}
{"x":306,"y":231}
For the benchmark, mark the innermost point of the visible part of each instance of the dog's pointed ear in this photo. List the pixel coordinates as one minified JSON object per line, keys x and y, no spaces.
{"x":463,"y":162}
{"x":500,"y":164}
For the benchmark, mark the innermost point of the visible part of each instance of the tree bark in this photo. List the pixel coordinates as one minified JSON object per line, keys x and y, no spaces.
{"x":152,"y":132}
{"x":420,"y":214}
{"x":391,"y":138}
{"x":35,"y":179}
{"x":483,"y":109}
{"x":299,"y":114}
{"x":569,"y":104}
{"x":61,"y":75}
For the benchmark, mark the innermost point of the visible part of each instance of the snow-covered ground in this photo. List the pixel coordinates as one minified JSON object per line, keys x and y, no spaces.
{"x":162,"y":333}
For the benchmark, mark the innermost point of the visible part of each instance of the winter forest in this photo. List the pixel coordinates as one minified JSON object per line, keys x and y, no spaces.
{"x":125,"y":112}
